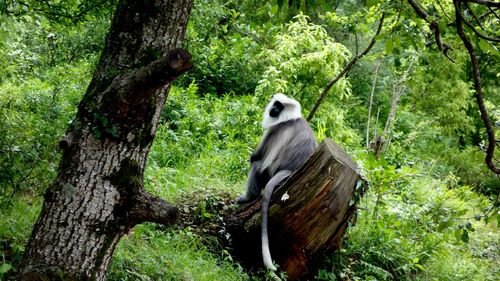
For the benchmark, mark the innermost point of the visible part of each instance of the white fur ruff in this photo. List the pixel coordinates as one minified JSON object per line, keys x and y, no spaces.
{"x":291,"y":111}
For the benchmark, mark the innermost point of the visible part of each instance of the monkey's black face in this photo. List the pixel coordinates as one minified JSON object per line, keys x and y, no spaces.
{"x":276,"y":109}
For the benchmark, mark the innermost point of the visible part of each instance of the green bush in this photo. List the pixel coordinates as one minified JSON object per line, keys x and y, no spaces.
{"x":302,"y":60}
{"x":34,"y":116}
{"x":222,"y":49}
{"x":412,"y":227}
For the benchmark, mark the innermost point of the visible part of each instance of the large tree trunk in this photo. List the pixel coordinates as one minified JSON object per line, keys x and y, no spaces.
{"x":98,"y":195}
{"x":308,"y":214}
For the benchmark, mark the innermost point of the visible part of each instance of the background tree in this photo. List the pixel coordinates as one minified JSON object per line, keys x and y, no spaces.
{"x":437,"y":22}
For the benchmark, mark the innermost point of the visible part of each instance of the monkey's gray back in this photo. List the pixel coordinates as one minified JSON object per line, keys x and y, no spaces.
{"x":287,"y":146}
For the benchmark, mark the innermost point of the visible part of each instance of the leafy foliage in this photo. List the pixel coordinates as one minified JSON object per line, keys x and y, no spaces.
{"x":302,"y":61}
{"x":224,"y":56}
{"x":34,"y":116}
{"x":411,"y":220}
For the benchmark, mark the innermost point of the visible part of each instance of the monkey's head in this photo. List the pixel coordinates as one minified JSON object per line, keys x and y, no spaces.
{"x":280,"y":109}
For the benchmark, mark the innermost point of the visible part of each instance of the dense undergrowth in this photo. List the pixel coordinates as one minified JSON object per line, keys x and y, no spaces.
{"x":430,"y":210}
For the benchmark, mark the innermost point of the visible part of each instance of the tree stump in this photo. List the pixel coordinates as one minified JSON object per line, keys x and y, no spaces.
{"x":308,"y":213}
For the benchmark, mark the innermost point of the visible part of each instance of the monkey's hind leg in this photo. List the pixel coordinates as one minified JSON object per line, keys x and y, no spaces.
{"x":255,"y":183}
{"x":266,"y":198}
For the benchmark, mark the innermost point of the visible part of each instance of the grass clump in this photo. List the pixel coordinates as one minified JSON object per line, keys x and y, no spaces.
{"x":151,"y":253}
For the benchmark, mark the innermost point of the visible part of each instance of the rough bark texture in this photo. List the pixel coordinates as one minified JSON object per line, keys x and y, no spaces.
{"x":98,"y":195}
{"x":308,"y":215}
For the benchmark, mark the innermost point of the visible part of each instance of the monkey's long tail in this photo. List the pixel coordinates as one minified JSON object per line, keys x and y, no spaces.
{"x":266,"y":198}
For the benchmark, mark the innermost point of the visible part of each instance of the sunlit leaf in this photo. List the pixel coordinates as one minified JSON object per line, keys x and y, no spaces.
{"x":4,"y":268}
{"x":370,"y":3}
{"x":484,"y":45}
{"x":275,"y":9}
{"x":389,"y":46}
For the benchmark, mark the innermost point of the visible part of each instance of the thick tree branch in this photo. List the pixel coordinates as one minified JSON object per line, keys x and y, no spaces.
{"x":346,"y":69}
{"x":153,"y":75}
{"x":433,"y":25}
{"x":149,"y":208}
{"x":478,"y":88}
{"x":138,"y":205}
{"x":486,"y":2}
{"x":127,"y":96}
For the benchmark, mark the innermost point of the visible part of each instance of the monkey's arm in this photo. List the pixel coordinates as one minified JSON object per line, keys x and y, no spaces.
{"x":259,"y":153}
{"x":256,"y":155}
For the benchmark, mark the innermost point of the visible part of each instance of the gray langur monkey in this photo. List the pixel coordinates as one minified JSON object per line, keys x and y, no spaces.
{"x":288,"y":141}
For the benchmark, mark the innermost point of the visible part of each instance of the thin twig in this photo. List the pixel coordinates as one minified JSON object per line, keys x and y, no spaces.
{"x":473,"y":15}
{"x":254,"y":36}
{"x":444,"y":11}
{"x":493,"y":39}
{"x":433,"y":25}
{"x":493,"y":11}
{"x":346,"y":69}
{"x":398,"y":91}
{"x":374,"y":83}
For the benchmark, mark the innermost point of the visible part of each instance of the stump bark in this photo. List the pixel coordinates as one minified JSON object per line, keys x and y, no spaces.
{"x":308,"y":215}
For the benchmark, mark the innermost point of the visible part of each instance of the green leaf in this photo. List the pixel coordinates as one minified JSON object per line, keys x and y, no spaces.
{"x":442,"y":24}
{"x":113,"y":131}
{"x":370,"y":3}
{"x":484,"y":45}
{"x":389,"y":46}
{"x":445,"y":223}
{"x":465,"y":236}
{"x":494,"y":50}
{"x":4,"y":268}
{"x":419,"y":266}
{"x":397,"y":41}
{"x":274,"y":9}
{"x":96,"y":131}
